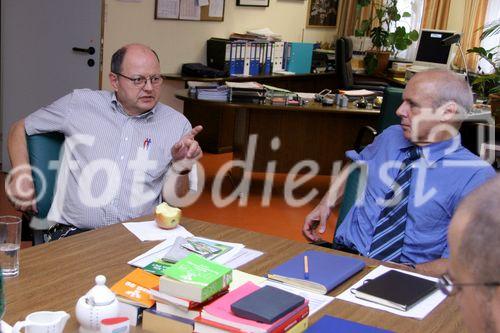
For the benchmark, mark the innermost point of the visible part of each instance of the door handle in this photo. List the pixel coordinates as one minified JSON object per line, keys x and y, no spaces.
{"x":90,"y":50}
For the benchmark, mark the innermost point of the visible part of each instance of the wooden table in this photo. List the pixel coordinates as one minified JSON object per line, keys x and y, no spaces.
{"x":310,"y":132}
{"x":53,"y":276}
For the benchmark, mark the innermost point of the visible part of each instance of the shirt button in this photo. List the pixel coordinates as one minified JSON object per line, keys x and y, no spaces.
{"x":126,"y":139}
{"x":121,"y":157}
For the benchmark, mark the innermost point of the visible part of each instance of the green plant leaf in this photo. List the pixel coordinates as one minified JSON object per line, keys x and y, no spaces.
{"x":413,"y":35}
{"x":371,"y":63}
{"x":479,"y":50}
{"x":406,"y":14}
{"x":380,"y":14}
{"x":359,"y":33}
{"x":363,"y":3}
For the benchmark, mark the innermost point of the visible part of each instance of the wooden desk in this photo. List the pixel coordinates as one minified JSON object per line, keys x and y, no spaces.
{"x":313,"y":131}
{"x":53,"y":276}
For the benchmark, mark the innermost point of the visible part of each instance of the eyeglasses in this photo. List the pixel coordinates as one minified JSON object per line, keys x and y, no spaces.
{"x":449,"y":288}
{"x":140,"y":81}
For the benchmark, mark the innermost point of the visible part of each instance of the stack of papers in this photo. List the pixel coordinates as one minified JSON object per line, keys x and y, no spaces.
{"x":213,"y":94}
{"x":265,"y":33}
{"x":245,"y":85}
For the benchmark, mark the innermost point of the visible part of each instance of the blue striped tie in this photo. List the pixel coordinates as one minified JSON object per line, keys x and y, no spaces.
{"x":387,"y":242}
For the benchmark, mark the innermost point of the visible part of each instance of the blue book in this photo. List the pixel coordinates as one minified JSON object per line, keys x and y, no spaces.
{"x":332,"y":324}
{"x":326,"y":271}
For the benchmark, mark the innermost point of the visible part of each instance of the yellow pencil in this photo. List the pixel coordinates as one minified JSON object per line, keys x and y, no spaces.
{"x":306,"y":268}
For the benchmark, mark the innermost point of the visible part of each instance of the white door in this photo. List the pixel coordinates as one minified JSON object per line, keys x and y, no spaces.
{"x":39,"y":63}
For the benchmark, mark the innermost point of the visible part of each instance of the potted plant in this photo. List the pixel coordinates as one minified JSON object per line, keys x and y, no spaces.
{"x":487,"y":85}
{"x":387,"y":37}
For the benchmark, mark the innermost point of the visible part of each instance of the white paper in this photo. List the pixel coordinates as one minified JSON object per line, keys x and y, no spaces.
{"x":168,"y":9}
{"x":360,"y":92}
{"x":150,"y":231}
{"x":419,"y":311}
{"x":244,"y":85}
{"x":240,"y":278}
{"x":159,"y":251}
{"x":154,"y":254}
{"x":202,"y":3}
{"x":189,"y":10}
{"x":5,"y":328}
{"x":216,"y":8}
{"x":316,"y":301}
{"x":308,"y":96}
{"x":242,"y":257}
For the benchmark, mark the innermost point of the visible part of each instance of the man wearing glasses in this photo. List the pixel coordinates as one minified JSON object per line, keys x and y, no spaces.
{"x":474,"y":271}
{"x":121,"y":149}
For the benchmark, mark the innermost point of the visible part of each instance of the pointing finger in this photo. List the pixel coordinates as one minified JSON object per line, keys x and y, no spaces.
{"x":192,"y":133}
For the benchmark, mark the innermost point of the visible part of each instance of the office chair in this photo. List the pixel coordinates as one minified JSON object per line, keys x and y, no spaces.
{"x":42,"y":149}
{"x":343,"y":56}
{"x":393,"y":97}
{"x":392,"y":100}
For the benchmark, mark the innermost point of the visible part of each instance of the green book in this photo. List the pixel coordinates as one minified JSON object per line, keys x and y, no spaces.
{"x":195,"y":278}
{"x":157,"y":267}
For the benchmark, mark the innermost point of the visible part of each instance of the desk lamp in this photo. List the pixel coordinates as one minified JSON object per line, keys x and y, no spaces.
{"x":455,"y":39}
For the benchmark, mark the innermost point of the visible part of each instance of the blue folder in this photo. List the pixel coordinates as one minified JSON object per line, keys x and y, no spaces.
{"x":326,"y":271}
{"x":337,"y":325}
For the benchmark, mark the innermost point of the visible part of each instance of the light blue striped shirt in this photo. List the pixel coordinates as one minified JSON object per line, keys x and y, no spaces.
{"x":114,"y":165}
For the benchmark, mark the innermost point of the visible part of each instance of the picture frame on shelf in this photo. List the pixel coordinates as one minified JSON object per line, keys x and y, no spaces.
{"x":323,"y":13}
{"x":253,"y":3}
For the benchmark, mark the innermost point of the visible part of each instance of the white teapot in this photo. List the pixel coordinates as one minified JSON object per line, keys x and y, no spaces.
{"x":99,"y":303}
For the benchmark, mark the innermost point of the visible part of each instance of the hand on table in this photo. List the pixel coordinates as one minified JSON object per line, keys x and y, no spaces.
{"x":21,"y":190}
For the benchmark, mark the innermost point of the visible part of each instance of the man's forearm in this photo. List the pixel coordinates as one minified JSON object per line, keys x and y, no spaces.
{"x":335,"y":193}
{"x":175,"y":188}
{"x":436,"y":268}
{"x":16,"y":144}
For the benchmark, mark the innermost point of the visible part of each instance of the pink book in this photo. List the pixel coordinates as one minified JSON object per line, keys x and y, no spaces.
{"x":220,"y":311}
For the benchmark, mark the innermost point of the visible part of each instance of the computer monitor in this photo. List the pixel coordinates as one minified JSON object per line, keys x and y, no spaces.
{"x":430,"y":52}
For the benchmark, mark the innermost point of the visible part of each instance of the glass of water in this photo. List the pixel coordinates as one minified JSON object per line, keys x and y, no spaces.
{"x":10,"y":243}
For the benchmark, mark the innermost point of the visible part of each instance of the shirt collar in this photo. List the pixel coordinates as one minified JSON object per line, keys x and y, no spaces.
{"x":117,"y":107}
{"x":434,"y":152}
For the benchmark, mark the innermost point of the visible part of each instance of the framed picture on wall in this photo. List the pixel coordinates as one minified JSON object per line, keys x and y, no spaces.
{"x":323,"y":13}
{"x":253,"y":3}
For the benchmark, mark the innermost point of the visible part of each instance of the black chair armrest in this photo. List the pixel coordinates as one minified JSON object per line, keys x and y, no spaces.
{"x":365,"y":130}
{"x":322,"y":243}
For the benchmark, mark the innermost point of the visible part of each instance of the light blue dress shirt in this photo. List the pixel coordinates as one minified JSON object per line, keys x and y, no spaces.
{"x":445,"y":174}
{"x":119,"y":142}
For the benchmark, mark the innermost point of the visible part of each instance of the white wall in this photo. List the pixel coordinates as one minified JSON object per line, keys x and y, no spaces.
{"x":180,"y":42}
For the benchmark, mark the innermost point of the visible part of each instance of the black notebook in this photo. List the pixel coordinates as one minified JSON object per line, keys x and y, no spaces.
{"x":266,"y":305}
{"x":396,"y":290}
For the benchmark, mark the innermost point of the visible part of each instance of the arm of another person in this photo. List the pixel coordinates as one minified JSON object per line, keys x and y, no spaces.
{"x":20,"y":188}
{"x":435,"y":268}
{"x":184,"y":154}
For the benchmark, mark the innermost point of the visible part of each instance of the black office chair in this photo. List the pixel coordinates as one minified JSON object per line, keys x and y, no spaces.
{"x":343,"y":56}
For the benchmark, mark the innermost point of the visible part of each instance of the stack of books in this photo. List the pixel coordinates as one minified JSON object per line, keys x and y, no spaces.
{"x":248,"y":92}
{"x":220,"y":93}
{"x":132,"y":293}
{"x":183,"y":291}
{"x":250,"y":308}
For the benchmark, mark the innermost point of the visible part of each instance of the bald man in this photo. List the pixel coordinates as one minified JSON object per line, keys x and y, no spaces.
{"x":417,"y":173}
{"x":121,"y":147}
{"x":474,"y":272}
